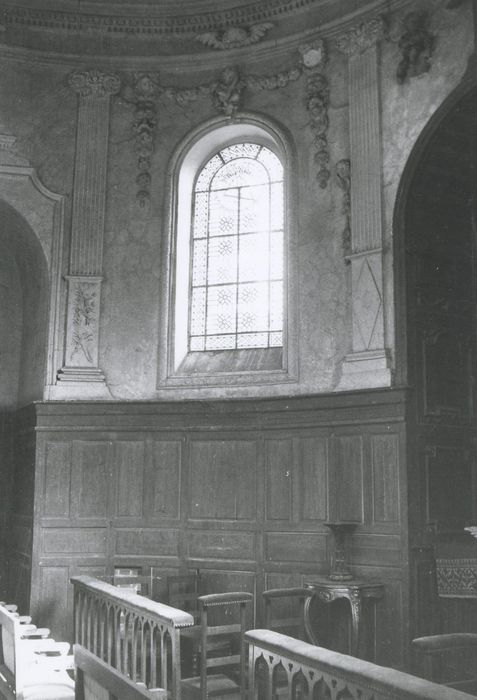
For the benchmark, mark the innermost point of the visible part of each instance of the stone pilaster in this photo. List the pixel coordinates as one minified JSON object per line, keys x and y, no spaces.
{"x":368,"y":364}
{"x":80,"y":374}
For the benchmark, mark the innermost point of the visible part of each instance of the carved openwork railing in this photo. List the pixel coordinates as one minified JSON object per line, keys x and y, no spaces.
{"x":283,"y":667}
{"x":132,"y":635}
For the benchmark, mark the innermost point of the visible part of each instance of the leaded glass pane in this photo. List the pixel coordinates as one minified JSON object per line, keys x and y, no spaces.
{"x":221,"y":309}
{"x":224,"y":211}
{"x":199,"y":268}
{"x":220,"y":342}
{"x":197,"y":326}
{"x":253,"y":307}
{"x":201,"y":214}
{"x":276,"y":255}
{"x":272,"y":164}
{"x":222,"y":260}
{"x":254,"y":257}
{"x":240,"y":150}
{"x":276,"y":306}
{"x":254,"y":209}
{"x":207,"y":173}
{"x":252,"y":340}
{"x":197,"y":344}
{"x":237,"y":251}
{"x":276,"y":206}
{"x":276,"y":340}
{"x":238,"y":173}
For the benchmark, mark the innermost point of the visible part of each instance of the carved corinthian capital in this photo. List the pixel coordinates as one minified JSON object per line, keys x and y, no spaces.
{"x":94,"y":82}
{"x":362,"y":37}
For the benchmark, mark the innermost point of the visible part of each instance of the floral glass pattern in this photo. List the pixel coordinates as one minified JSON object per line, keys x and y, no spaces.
{"x":237,"y":251}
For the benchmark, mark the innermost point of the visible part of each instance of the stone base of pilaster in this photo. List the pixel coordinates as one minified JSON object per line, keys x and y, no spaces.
{"x":78,"y":383}
{"x":369,"y":369}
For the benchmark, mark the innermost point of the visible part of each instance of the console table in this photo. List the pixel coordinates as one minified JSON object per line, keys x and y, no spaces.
{"x":355,"y":591}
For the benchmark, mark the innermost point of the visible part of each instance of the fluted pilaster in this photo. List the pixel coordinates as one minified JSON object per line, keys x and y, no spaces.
{"x":367,"y":364}
{"x":81,"y":373}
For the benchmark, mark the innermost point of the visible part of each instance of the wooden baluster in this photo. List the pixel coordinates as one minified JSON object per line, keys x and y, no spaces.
{"x":134,"y":645}
{"x":143,"y":651}
{"x":110,"y":634}
{"x":119,"y":624}
{"x":152,"y":655}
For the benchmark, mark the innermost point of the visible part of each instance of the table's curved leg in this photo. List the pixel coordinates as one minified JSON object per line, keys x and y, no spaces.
{"x":310,"y":633}
{"x":355,"y":603}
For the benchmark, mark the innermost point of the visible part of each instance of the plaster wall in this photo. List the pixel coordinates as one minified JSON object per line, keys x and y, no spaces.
{"x":39,"y":109}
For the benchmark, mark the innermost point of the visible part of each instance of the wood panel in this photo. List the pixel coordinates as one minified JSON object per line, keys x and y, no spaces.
{"x":91,"y":486}
{"x":385,"y":478}
{"x":129,"y":466}
{"x":57,"y":482}
{"x":222,"y":480}
{"x":314,"y":478}
{"x":348,"y":484}
{"x":279,"y":471}
{"x":163,"y":479}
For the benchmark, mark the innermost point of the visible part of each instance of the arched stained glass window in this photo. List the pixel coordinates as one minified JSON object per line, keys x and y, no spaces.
{"x":237,"y":259}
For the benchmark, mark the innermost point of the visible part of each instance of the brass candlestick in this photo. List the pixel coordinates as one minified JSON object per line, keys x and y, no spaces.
{"x":339,"y":565}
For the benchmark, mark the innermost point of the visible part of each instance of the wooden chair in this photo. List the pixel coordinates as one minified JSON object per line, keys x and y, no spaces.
{"x":451,"y":658}
{"x":183,"y":591}
{"x":284,"y":610}
{"x":32,"y":669}
{"x":220,"y":675}
{"x":135,"y":579}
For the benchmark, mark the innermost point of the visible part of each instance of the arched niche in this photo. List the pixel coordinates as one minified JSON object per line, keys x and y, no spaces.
{"x":31,"y":253}
{"x":436,"y":293}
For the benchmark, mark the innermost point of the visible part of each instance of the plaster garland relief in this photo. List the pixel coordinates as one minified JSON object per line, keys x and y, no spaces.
{"x":416,"y":45}
{"x":314,"y":58}
{"x":343,"y":179}
{"x":235,"y":37}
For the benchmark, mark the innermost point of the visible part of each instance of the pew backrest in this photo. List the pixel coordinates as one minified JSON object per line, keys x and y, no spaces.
{"x":24,"y":668}
{"x":122,"y":637}
{"x":281,"y":666}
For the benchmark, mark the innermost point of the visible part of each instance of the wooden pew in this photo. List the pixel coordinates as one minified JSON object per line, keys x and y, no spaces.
{"x":32,"y":669}
{"x":126,"y":645}
{"x":284,"y":667}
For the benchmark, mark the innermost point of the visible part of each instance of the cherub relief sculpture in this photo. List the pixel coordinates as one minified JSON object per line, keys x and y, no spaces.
{"x":416,"y":44}
{"x":227,"y":93}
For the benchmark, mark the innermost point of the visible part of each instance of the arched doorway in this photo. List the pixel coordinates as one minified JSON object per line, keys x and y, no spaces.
{"x":23,"y":311}
{"x":436,"y":245}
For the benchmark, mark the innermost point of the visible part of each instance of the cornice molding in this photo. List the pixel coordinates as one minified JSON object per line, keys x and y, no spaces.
{"x":152,"y":22}
{"x":275,"y":49}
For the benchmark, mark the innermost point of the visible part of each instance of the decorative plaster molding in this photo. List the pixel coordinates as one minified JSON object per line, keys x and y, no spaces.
{"x":362,"y":37}
{"x":94,"y":82}
{"x":235,"y":37}
{"x":416,"y":44}
{"x":343,"y":178}
{"x":317,"y":102}
{"x":153,"y":23}
{"x":313,"y":54}
{"x":7,"y":141}
{"x":273,"y":82}
{"x":146,"y":89}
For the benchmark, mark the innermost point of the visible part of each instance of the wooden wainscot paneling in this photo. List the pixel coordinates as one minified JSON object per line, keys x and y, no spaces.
{"x":368,"y":549}
{"x":314,"y":478}
{"x":163,"y":479}
{"x":52,"y":608}
{"x":147,"y":542}
{"x":238,"y":546}
{"x":279,"y":469}
{"x":347,"y":496}
{"x":448,"y":484}
{"x":223,"y":482}
{"x":72,"y":541}
{"x":308,"y":547}
{"x":56,"y":493}
{"x":385,"y":478}
{"x":91,"y":484}
{"x":129,"y":460}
